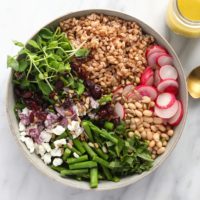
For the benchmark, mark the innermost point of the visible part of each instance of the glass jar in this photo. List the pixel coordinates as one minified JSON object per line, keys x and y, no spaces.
{"x":183,"y":17}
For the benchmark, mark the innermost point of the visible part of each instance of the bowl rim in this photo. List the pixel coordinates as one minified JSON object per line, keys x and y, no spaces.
{"x":73,"y":182}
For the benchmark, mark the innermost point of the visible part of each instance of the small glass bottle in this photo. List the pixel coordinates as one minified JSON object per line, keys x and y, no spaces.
{"x":183,"y":17}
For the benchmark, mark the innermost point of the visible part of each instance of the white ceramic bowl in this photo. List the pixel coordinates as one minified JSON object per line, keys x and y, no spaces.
{"x":103,"y":185}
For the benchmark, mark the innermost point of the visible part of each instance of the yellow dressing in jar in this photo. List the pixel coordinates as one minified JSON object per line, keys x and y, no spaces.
{"x":190,"y":9}
{"x":183,"y":17}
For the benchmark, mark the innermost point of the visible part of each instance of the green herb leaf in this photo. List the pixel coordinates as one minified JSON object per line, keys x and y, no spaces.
{"x":23,"y":64}
{"x":82,"y":53}
{"x":33,"y":44}
{"x":105,"y":99}
{"x":80,"y":88}
{"x":24,"y":83}
{"x":46,"y":90}
{"x":46,"y":33}
{"x":12,"y":63}
{"x":53,"y":44}
{"x":19,"y":44}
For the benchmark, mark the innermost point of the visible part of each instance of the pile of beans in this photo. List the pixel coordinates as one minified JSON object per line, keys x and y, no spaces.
{"x":141,"y":121}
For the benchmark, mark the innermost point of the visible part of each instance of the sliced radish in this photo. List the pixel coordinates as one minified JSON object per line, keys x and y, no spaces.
{"x":176,"y":119}
{"x":149,"y":91}
{"x":165,"y":100}
{"x":157,"y":78}
{"x":118,"y":91}
{"x":168,"y":71}
{"x":147,"y":77}
{"x":128,"y":89}
{"x":153,"y":57}
{"x":167,"y":113}
{"x":168,"y":85}
{"x":119,"y":110}
{"x":164,"y":59}
{"x":153,"y":49}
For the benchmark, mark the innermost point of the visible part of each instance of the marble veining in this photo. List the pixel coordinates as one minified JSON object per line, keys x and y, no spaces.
{"x":179,"y":176}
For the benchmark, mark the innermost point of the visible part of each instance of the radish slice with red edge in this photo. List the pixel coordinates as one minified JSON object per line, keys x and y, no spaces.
{"x":164,"y":59}
{"x":165,"y":100}
{"x":176,"y":119}
{"x":168,"y":85}
{"x":151,"y":59}
{"x":168,"y":71}
{"x":149,"y":91}
{"x":168,"y":112}
{"x":118,"y":90}
{"x":147,"y":77}
{"x":153,"y":49}
{"x":157,"y":78}
{"x":119,"y":110}
{"x":128,"y":89}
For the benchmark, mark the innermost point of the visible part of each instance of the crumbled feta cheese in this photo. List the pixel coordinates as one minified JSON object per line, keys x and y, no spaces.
{"x":47,"y":147}
{"x":57,"y":162}
{"x":22,"y":127}
{"x":75,"y":155}
{"x":30,"y":144}
{"x":45,"y":136}
{"x":91,"y":115}
{"x":59,"y":143}
{"x":75,"y":127}
{"x":25,"y":111}
{"x":40,"y":150}
{"x":58,"y":130}
{"x":94,"y":104}
{"x":56,"y":152}
{"x":75,"y":109}
{"x":23,"y":133}
{"x":22,"y":138}
{"x":47,"y":158}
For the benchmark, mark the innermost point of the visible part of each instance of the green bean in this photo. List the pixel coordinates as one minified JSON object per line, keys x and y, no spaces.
{"x":101,"y":153}
{"x":108,"y":126}
{"x":107,"y":173}
{"x":68,"y":172}
{"x":103,"y":133}
{"x":74,"y":150}
{"x":79,"y":145}
{"x":116,"y":179}
{"x":76,"y":160}
{"x":83,"y":165}
{"x":86,"y":127}
{"x":66,"y":154}
{"x":57,"y":168}
{"x":88,"y":149}
{"x":63,"y":135}
{"x":93,"y":177}
{"x":101,"y":161}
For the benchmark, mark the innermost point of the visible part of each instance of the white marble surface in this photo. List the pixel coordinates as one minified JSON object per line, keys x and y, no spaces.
{"x":177,"y":179}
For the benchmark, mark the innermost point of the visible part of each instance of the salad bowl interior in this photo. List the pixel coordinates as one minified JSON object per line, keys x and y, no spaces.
{"x":103,"y":185}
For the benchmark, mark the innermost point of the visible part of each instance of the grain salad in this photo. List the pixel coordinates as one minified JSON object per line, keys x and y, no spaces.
{"x":96,"y":98}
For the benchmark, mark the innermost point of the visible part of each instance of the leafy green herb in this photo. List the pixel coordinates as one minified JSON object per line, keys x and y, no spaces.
{"x":44,"y":58}
{"x":105,"y":99}
{"x":12,"y":63}
{"x":82,"y":53}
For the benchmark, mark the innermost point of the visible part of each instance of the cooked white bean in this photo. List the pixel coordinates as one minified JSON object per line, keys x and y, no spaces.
{"x":147,"y":113}
{"x":138,"y":113}
{"x":170,"y":132}
{"x":161,"y":150}
{"x":157,"y":120}
{"x":146,"y":99}
{"x":156,"y":137}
